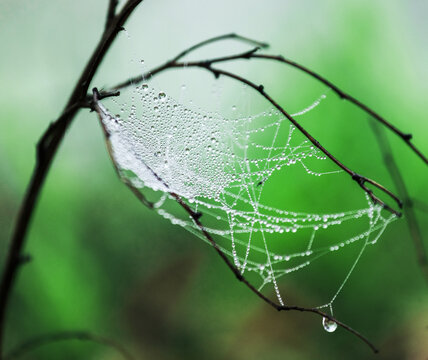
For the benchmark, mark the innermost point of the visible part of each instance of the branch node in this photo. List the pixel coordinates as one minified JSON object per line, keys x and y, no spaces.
{"x":89,"y":102}
{"x":248,"y":54}
{"x":197,"y":215}
{"x":359,"y":179}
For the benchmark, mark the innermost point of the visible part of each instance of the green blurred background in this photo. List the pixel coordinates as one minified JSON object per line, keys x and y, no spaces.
{"x":104,"y":263}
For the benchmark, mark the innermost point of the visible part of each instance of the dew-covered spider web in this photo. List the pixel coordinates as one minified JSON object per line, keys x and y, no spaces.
{"x":236,"y":171}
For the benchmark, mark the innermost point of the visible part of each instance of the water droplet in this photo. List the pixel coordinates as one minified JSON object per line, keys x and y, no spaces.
{"x":329,"y":325}
{"x":142,"y":62}
{"x":234,"y":107}
{"x":145,"y":87}
{"x":162,"y":96}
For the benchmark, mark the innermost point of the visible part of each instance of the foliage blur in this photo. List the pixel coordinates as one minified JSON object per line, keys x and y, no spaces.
{"x":104,"y":263}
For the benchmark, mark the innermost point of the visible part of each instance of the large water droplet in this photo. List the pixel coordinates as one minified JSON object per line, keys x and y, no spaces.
{"x":145,"y":87}
{"x":329,"y":325}
{"x":162,"y":96}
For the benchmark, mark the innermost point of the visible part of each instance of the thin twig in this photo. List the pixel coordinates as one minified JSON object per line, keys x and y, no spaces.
{"x":48,"y":339}
{"x":195,"y":216}
{"x":342,"y":94}
{"x":398,"y":180}
{"x":405,"y":137}
{"x":46,"y":150}
{"x":105,"y":94}
{"x":220,"y":38}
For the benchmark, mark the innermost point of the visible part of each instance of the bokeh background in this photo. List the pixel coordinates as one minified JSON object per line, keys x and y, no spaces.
{"x":104,"y":263}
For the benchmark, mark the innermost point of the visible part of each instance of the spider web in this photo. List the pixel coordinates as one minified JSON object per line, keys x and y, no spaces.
{"x":222,"y":167}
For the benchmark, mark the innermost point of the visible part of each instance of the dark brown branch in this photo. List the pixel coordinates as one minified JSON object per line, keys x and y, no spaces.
{"x":46,"y":150}
{"x":105,"y":94}
{"x":405,"y":137}
{"x":195,"y":216}
{"x":220,"y":38}
{"x":343,"y":95}
{"x":111,"y":12}
{"x":48,"y":339}
{"x":398,"y":180}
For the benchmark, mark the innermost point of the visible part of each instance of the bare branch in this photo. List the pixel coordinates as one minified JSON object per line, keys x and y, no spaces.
{"x":48,"y":339}
{"x":398,"y":180}
{"x":405,"y":137}
{"x":46,"y":151}
{"x":343,"y":95}
{"x":220,"y":38}
{"x":105,"y":94}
